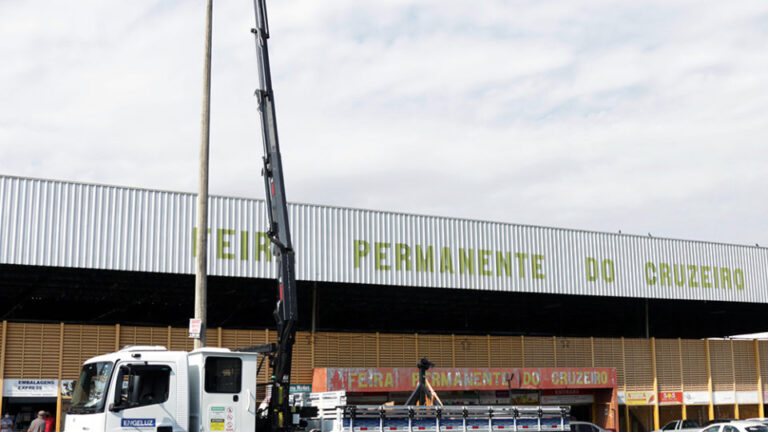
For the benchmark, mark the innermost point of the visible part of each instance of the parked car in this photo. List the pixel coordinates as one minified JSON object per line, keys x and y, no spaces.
{"x":719,"y":420}
{"x":582,"y":426}
{"x":681,"y":425}
{"x":737,"y":426}
{"x":762,"y":420}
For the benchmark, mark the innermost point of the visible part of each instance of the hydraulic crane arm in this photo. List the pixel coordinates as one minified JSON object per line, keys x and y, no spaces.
{"x":280,"y":413}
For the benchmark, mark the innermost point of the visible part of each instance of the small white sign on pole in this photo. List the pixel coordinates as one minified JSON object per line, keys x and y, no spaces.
{"x":195,"y":326}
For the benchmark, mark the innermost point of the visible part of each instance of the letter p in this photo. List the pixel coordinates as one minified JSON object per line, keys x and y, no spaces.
{"x":362,"y":248}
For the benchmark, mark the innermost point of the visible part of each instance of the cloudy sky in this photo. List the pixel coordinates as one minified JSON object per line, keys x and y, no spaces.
{"x":600,"y":115}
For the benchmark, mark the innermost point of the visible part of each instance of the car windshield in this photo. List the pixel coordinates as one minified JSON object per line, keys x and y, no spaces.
{"x":91,"y":389}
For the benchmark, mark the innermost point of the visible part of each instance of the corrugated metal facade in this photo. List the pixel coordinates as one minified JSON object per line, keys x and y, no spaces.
{"x":52,"y":223}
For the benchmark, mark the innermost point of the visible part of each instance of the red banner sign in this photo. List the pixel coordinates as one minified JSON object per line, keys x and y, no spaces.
{"x":405,"y":379}
{"x":670,"y":398}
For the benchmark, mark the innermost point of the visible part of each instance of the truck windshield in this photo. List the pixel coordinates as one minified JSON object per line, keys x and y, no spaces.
{"x":91,"y":389}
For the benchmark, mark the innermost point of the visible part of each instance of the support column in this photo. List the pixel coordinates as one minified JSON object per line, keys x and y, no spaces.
{"x":627,"y":420}
{"x":682,"y":376}
{"x":733,"y":377}
{"x":2,"y":362}
{"x":61,"y":369}
{"x":655,"y":386}
{"x":760,"y":401}
{"x":554,"y":349}
{"x":624,"y":378}
{"x":709,"y":380}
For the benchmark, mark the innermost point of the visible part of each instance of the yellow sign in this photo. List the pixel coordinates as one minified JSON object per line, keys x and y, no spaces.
{"x":640,"y":398}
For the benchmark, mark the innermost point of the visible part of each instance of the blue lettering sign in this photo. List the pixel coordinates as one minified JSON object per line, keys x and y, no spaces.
{"x":138,"y":423}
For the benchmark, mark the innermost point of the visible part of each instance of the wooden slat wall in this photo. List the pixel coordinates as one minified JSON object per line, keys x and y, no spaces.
{"x":301,"y":369}
{"x":437,"y":348}
{"x":32,"y":352}
{"x":471,"y":351}
{"x":539,"y":352}
{"x":694,"y":365}
{"x":744,"y":365}
{"x":506,"y":351}
{"x":721,"y":362}
{"x":573,"y":352}
{"x":82,"y":342}
{"x":610,"y":353}
{"x":397,"y":350}
{"x":668,"y":365}
{"x":637,"y":355}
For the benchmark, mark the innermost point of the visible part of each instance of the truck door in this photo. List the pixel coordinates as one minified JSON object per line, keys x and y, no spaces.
{"x":142,"y":400}
{"x":227,"y":404}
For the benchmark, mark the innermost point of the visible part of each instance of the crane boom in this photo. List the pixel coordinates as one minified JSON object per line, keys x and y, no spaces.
{"x":280,"y":413}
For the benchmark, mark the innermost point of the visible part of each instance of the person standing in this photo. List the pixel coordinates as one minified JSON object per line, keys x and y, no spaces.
{"x":50,"y":422}
{"x":6,"y":424}
{"x":38,"y":424}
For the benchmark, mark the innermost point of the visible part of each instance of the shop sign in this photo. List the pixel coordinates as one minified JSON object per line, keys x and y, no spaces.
{"x":724,"y":397}
{"x":406,"y":379}
{"x":567,"y":397}
{"x":696,"y":398}
{"x":30,"y":387}
{"x":301,"y":388}
{"x":747,"y":397}
{"x":639,"y":398}
{"x":670,"y":398}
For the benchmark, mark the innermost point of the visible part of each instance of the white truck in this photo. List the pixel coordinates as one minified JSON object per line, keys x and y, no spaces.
{"x":150,"y":389}
{"x":147,"y":388}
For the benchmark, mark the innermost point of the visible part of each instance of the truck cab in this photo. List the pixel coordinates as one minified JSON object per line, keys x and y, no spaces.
{"x":151,"y":389}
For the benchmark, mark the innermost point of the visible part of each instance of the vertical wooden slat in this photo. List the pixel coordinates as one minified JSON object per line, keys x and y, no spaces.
{"x":453,"y":350}
{"x":655,"y":385}
{"x":117,"y":337}
{"x":61,"y":370}
{"x":682,"y":375}
{"x":760,"y":407}
{"x":488,"y":345}
{"x":733,"y":378}
{"x":4,"y":341}
{"x":709,"y":380}
{"x":554,"y":350}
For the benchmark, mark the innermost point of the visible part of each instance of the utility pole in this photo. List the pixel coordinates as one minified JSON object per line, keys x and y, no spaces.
{"x":201,"y":269}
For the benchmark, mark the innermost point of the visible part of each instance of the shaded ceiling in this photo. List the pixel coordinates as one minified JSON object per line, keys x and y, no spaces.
{"x":51,"y":294}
